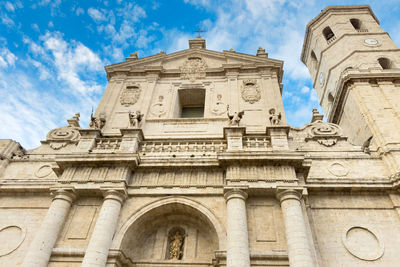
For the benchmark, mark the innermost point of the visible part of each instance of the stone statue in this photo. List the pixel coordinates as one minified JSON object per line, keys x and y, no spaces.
{"x":97,"y":123}
{"x":175,"y":246}
{"x":234,"y":119}
{"x":135,"y":119}
{"x":274,"y":118}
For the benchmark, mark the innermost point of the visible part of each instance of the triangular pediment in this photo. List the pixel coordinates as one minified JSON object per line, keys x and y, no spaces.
{"x":175,"y":61}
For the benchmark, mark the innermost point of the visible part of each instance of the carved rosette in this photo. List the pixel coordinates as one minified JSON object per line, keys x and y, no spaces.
{"x":194,"y":68}
{"x":130,"y":94}
{"x":250,"y":91}
{"x":324,"y":133}
{"x":60,"y":137}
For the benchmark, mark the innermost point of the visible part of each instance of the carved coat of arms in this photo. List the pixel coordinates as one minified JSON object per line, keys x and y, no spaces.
{"x":130,"y":95}
{"x":193,"y":68}
{"x":250,"y":91}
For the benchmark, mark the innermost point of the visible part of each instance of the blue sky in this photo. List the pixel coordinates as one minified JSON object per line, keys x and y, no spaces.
{"x":52,"y":53}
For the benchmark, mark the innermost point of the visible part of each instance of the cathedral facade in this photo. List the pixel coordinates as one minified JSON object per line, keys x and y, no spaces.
{"x":189,"y":161}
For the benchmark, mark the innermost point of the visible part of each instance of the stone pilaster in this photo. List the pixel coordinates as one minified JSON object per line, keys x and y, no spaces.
{"x":131,"y":139}
{"x":234,"y":138}
{"x":42,"y":245}
{"x":279,"y":137}
{"x":100,"y":241}
{"x":237,"y":251}
{"x":295,"y":228}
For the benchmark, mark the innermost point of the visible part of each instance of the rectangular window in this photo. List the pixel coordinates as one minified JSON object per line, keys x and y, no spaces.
{"x":192,"y":112}
{"x":191,"y":103}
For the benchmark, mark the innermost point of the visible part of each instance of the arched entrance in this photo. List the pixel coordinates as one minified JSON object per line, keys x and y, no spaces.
{"x":172,"y":230}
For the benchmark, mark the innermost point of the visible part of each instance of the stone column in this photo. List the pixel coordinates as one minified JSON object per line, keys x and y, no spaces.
{"x":100,"y":241}
{"x":42,"y":245}
{"x":237,"y":251}
{"x":296,"y":235}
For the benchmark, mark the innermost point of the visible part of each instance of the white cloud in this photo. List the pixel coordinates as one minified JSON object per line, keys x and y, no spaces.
{"x":96,"y":15}
{"x":6,"y":20}
{"x":7,"y":58}
{"x":305,"y":90}
{"x":72,"y":60}
{"x":35,"y":27}
{"x":10,"y":7}
{"x":79,"y":11}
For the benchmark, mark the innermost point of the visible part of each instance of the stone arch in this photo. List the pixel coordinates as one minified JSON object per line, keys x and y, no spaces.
{"x":328,"y":33}
{"x":150,"y":213}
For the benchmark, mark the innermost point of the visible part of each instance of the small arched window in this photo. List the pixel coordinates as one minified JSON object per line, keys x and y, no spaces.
{"x":385,"y":63}
{"x":328,"y":33}
{"x":356,"y":24}
{"x":314,"y":60}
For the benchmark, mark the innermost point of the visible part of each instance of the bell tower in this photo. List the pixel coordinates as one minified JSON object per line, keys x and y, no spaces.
{"x":355,"y":67}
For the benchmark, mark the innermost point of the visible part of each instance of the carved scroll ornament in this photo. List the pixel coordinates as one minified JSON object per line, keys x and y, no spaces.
{"x":324,"y":133}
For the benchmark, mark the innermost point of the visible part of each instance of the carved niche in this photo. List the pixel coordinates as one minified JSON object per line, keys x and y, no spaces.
{"x":194,"y":68}
{"x":324,"y":133}
{"x":130,"y":94}
{"x":250,"y":91}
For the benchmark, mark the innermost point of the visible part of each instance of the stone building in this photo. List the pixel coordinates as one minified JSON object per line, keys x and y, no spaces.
{"x":189,"y":161}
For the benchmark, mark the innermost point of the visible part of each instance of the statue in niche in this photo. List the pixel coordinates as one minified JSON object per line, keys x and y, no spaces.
{"x":234,"y":119}
{"x":97,"y":123}
{"x":175,"y":246}
{"x":275,"y":118}
{"x":135,"y":118}
{"x":158,"y":109}
{"x":219,"y":106}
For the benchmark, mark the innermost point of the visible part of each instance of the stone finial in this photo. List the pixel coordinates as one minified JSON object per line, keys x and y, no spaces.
{"x":74,"y":121}
{"x":134,"y":55}
{"x":261,"y":52}
{"x":231,"y":50}
{"x":316,"y":116}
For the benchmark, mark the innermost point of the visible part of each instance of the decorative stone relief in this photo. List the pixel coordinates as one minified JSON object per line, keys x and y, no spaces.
{"x":158,"y":109}
{"x":194,"y":68}
{"x":219,"y":106}
{"x":362,"y":243}
{"x":130,"y":95}
{"x":43,"y":171}
{"x":11,"y":237}
{"x":250,"y":91}
{"x":60,"y":137}
{"x":338,"y":169}
{"x":324,"y":133}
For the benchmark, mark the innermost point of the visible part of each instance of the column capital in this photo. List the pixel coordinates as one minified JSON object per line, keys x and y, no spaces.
{"x":118,"y":194}
{"x":283,"y":194}
{"x":66,"y":193}
{"x":235,"y":192}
